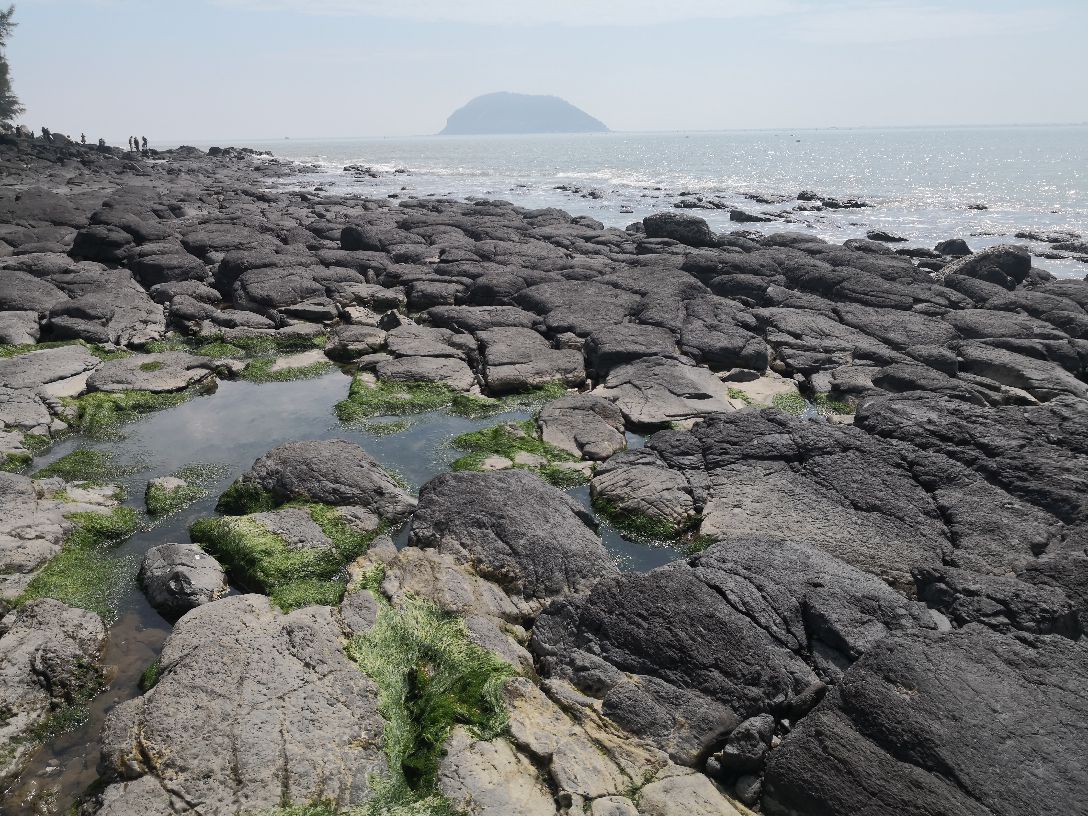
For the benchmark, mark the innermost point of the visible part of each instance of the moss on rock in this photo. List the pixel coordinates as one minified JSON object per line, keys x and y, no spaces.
{"x":85,"y":573}
{"x":430,"y":677}
{"x":639,"y":526}
{"x":513,"y":438}
{"x":93,"y":467}
{"x":292,"y":577}
{"x":260,"y":371}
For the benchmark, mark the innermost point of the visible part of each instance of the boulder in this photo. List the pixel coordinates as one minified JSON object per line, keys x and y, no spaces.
{"x":585,"y":425}
{"x":512,"y":528}
{"x":21,"y":291}
{"x":1005,"y":266}
{"x":655,"y":391}
{"x":516,"y":359}
{"x":687,"y":229}
{"x":180,"y":577}
{"x":300,"y":720}
{"x":50,"y":657}
{"x":158,"y":373}
{"x":331,"y":471}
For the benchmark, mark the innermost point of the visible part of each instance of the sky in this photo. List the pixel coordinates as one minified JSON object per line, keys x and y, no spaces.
{"x":202,"y":70}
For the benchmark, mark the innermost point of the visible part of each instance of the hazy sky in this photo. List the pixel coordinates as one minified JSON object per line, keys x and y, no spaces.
{"x":235,"y":69}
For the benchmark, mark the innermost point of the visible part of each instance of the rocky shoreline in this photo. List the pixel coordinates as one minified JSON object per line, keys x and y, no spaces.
{"x":875,"y":463}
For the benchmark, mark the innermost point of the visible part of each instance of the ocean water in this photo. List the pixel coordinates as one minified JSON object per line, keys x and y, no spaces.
{"x":921,"y":182}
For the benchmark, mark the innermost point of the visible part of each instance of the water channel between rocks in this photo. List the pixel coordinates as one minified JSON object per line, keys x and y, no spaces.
{"x":229,"y":429}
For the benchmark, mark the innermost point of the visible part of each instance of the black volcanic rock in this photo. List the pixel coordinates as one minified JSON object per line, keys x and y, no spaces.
{"x":520,"y":113}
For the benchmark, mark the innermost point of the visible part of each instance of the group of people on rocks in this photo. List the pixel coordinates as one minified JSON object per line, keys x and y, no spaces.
{"x":135,"y":143}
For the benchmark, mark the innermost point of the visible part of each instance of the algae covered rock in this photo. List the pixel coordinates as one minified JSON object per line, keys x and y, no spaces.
{"x":332,"y":472}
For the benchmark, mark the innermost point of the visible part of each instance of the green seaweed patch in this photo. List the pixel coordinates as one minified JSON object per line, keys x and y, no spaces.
{"x":93,"y":467}
{"x":292,"y":577}
{"x":85,"y":573}
{"x":386,"y":428}
{"x":149,"y":677}
{"x":162,"y":502}
{"x":101,"y":352}
{"x":14,"y":462}
{"x":243,"y":498}
{"x":826,"y":405}
{"x":792,"y":404}
{"x":150,"y":365}
{"x":737,"y":394}
{"x":510,"y":439}
{"x":260,"y":371}
{"x":387,"y":398}
{"x":430,"y":677}
{"x":640,"y":526}
{"x":100,"y":413}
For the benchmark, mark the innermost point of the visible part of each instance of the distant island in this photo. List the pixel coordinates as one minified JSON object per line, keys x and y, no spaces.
{"x":502,"y":112}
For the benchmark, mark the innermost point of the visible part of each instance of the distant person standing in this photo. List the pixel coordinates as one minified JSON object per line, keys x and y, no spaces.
{"x":83,"y":138}
{"x":145,"y":143}
{"x":129,"y":144}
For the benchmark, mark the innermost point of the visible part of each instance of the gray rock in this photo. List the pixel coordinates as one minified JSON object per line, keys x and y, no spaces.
{"x":37,"y":368}
{"x":491,"y":778}
{"x":968,"y":722}
{"x":331,"y":471}
{"x":516,"y":359}
{"x":740,"y":630}
{"x":616,"y":345}
{"x":180,"y":577}
{"x":158,"y":373}
{"x":19,"y":328}
{"x":583,"y":424}
{"x":50,"y":656}
{"x":300,"y":717}
{"x":512,"y":528}
{"x":655,"y":391}
{"x":687,"y":229}
{"x":20,"y":291}
{"x":448,"y":371}
{"x":1005,"y":266}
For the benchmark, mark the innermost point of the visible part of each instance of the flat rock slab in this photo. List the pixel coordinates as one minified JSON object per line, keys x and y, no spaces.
{"x":656,"y":391}
{"x":448,"y":371}
{"x":683,"y":654}
{"x":516,"y":359}
{"x":36,"y":368}
{"x":299,"y":717}
{"x":158,"y":373}
{"x":300,"y":360}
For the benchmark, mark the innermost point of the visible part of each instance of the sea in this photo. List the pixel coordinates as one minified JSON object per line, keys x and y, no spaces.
{"x":983,"y":184}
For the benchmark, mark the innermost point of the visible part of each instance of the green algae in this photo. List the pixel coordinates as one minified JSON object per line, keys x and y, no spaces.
{"x":430,"y":677}
{"x":149,"y":677}
{"x":640,"y":526}
{"x":197,"y":478}
{"x":260,"y":371}
{"x":292,"y":577}
{"x":388,"y":398}
{"x":99,"y":414}
{"x":243,"y":498}
{"x":510,"y":439}
{"x":93,"y":467}
{"x":84,"y":573}
{"x":737,"y":394}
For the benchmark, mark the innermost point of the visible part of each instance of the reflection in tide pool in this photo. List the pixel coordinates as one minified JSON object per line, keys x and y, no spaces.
{"x":230,"y":429}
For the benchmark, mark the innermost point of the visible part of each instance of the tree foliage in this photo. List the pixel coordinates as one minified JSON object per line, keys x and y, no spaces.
{"x":9,"y":103}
